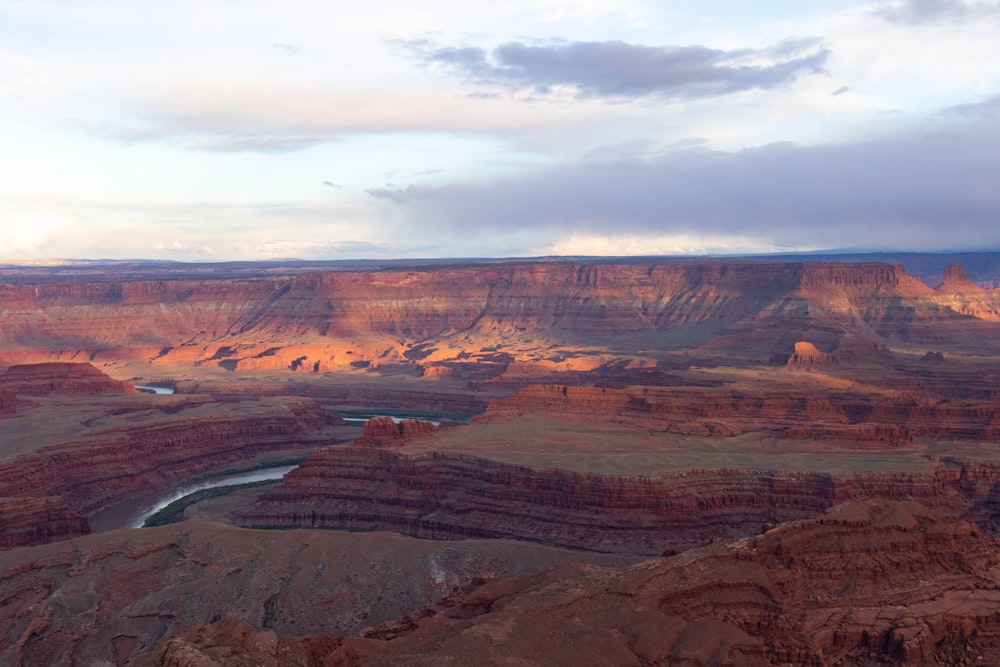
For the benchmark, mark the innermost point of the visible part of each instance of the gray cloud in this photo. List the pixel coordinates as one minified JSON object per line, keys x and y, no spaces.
{"x":988,"y":108}
{"x":929,"y":191}
{"x":926,"y":11}
{"x":290,"y":49}
{"x":617,"y":69}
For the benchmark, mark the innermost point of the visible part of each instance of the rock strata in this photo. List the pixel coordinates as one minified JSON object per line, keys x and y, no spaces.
{"x":880,"y":582}
{"x":386,"y":432}
{"x":45,"y":379}
{"x":103,"y":599}
{"x":314,"y":323}
{"x":454,"y":496}
{"x":28,"y":521}
{"x":118,"y":462}
{"x":886,"y":420}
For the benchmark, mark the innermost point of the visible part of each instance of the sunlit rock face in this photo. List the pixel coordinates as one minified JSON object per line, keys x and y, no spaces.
{"x":481,"y":320}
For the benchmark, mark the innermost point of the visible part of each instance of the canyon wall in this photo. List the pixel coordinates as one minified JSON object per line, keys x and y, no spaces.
{"x":110,"y":443}
{"x":866,"y":583}
{"x":118,"y":462}
{"x":102,"y":599}
{"x":45,"y":379}
{"x":317,"y":322}
{"x":883,"y":419}
{"x":27,"y":521}
{"x":454,"y":496}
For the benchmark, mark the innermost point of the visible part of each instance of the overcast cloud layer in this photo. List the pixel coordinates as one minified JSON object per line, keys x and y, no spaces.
{"x":204,"y":130}
{"x":617,"y":69}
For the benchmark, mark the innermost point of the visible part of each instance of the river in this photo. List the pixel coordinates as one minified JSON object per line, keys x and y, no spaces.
{"x":131,"y":513}
{"x":155,"y":390}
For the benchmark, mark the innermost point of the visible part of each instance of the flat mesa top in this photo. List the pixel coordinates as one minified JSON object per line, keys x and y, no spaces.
{"x":594,"y":446}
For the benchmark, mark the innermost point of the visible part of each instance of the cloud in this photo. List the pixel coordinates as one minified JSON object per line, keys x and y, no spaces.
{"x":618,"y":69}
{"x":289,"y":49}
{"x":931,"y":190}
{"x":26,"y":232}
{"x":988,"y":108}
{"x":930,"y":11}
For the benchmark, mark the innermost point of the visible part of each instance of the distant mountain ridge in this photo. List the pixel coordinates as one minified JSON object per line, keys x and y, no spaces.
{"x":982,"y":268}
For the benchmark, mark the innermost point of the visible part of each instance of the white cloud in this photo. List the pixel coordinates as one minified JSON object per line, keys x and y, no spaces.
{"x":27,"y":232}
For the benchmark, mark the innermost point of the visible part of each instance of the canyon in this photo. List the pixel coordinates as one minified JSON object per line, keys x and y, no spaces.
{"x":696,"y":446}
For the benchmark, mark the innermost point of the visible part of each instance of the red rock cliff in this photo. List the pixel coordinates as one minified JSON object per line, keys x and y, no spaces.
{"x":61,"y":378}
{"x":28,"y":521}
{"x":867,"y":583}
{"x":224,"y":321}
{"x":447,"y":496}
{"x":118,"y":462}
{"x":885,"y":420}
{"x":386,"y":432}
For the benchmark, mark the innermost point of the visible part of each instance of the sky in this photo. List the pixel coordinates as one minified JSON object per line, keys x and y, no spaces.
{"x":213,"y":130}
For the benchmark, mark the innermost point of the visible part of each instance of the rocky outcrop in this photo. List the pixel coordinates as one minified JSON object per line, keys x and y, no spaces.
{"x":956,"y":282}
{"x":882,"y":419}
{"x":386,"y":432}
{"x":45,"y":379}
{"x":454,"y":496}
{"x":867,"y":583}
{"x":8,"y":402}
{"x":27,"y":521}
{"x":114,"y":463}
{"x":102,"y":599}
{"x":366,"y":320}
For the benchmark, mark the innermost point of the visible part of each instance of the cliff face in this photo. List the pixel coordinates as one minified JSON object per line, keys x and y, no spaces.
{"x":454,"y":496}
{"x":118,"y":462}
{"x":61,"y":378}
{"x":83,"y":441}
{"x":885,"y":420}
{"x":867,"y":583}
{"x":28,"y":521}
{"x":385,"y":432}
{"x":311,"y":323}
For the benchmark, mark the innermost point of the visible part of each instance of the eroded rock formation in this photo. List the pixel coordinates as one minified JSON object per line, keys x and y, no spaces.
{"x":453,"y":496}
{"x":45,"y":379}
{"x":886,"y":419}
{"x":120,"y":461}
{"x":27,"y":521}
{"x":125,"y":446}
{"x":102,"y":599}
{"x":314,"y":323}
{"x":386,"y":432}
{"x":868,"y":583}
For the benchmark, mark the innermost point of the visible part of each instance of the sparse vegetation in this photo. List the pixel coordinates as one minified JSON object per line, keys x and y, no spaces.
{"x":174,"y":512}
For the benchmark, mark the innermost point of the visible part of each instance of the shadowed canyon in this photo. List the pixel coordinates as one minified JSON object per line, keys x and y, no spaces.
{"x":644,"y":462}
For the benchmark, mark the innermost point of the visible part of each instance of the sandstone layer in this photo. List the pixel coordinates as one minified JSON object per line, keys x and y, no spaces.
{"x":475,"y":322}
{"x":104,"y":598}
{"x":387,"y":432}
{"x":87,"y":441}
{"x":866,"y":584}
{"x":26,"y":521}
{"x":45,"y":379}
{"x":881,"y":417}
{"x":442,"y":495}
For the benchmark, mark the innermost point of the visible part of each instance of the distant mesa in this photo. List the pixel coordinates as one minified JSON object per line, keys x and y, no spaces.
{"x":387,"y":432}
{"x":957,"y":282}
{"x":62,"y":378}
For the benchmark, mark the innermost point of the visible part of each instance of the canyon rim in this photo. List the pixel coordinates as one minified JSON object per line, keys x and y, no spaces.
{"x":645,"y":461}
